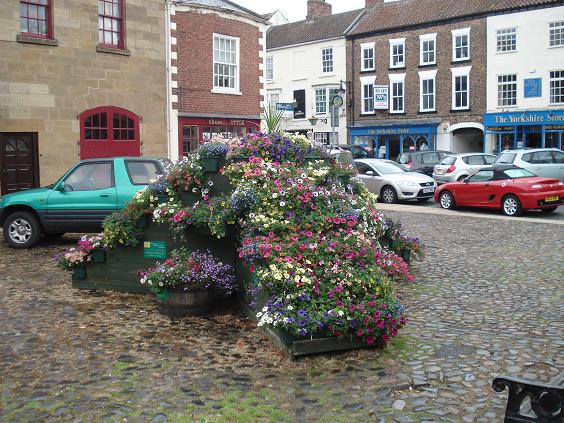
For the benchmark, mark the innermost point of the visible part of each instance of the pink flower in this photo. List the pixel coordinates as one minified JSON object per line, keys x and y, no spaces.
{"x":336,"y":220}
{"x":359,"y":332}
{"x":277,"y":247}
{"x":385,"y":338}
{"x":271,"y":234}
{"x":380,"y":324}
{"x":252,"y":268}
{"x":369,"y":340}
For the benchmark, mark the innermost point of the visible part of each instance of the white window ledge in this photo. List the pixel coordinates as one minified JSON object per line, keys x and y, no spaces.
{"x":229,"y":92}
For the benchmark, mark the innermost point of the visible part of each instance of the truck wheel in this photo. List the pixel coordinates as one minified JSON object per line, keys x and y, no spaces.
{"x":22,"y":230}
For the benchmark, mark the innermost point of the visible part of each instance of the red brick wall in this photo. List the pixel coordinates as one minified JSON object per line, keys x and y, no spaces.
{"x":194,"y":33}
{"x":318,"y":8}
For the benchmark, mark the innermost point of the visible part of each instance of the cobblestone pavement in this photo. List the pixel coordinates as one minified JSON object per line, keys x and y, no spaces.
{"x":488,"y":300}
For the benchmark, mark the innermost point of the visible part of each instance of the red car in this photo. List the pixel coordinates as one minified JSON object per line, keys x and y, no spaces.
{"x":504,"y":187}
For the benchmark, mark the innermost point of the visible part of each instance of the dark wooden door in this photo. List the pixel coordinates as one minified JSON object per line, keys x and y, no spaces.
{"x":19,"y":167}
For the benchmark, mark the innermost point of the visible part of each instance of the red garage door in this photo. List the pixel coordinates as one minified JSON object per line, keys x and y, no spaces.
{"x":109,"y":132}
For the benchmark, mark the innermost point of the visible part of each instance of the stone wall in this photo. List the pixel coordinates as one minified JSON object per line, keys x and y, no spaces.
{"x":43,"y":88}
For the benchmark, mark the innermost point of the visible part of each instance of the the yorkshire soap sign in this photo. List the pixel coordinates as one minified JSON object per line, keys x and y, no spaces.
{"x":381,"y":96}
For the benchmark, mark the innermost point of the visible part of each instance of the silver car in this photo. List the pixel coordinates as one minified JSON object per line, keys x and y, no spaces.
{"x":456,"y":167}
{"x":392,"y":182}
{"x":546,"y":162}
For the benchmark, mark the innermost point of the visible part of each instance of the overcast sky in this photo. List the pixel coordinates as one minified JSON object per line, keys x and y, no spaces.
{"x":295,"y":10}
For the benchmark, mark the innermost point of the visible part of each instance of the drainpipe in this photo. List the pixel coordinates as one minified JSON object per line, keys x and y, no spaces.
{"x":168,"y":77}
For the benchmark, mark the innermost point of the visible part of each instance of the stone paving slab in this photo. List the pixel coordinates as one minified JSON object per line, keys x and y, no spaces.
{"x":488,"y":300}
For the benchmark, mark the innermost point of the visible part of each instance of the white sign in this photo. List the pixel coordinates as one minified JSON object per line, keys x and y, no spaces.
{"x":381,"y":96}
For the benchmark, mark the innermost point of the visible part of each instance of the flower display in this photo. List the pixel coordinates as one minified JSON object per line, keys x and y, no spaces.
{"x":195,"y":271}
{"x":186,"y":175}
{"x":413,"y":245}
{"x":80,"y":254}
{"x":213,"y":149}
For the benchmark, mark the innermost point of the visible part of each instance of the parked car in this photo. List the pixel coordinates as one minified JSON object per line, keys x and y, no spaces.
{"x":456,"y":167}
{"x":393,"y":182}
{"x":504,"y":187}
{"x":78,"y":202}
{"x":547,"y":162}
{"x":357,"y":151}
{"x":422,"y":161}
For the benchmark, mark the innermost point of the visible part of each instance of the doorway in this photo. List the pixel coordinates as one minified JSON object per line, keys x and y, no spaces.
{"x":18,"y":161}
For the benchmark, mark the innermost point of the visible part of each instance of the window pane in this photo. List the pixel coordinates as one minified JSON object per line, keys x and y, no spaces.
{"x":23,"y":25}
{"x":116,"y":134}
{"x":32,"y":26}
{"x":89,"y":177}
{"x":142,"y":173}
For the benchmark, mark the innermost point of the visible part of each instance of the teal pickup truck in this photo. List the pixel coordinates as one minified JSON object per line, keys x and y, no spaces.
{"x":79,"y":201}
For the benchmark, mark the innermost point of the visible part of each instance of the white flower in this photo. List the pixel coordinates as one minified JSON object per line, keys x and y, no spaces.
{"x":274,"y":195}
{"x":289,"y":307}
{"x":304,"y":175}
{"x":210,"y":183}
{"x":282,"y":203}
{"x":340,"y":312}
{"x":264,"y":309}
{"x":299,"y":180}
{"x":259,"y":314}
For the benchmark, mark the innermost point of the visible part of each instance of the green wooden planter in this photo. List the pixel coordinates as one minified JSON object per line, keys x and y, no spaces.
{"x":292,"y":345}
{"x":189,"y":198}
{"x":406,"y":255}
{"x":239,"y":159}
{"x":394,"y":243}
{"x":98,"y":255}
{"x":163,"y":198}
{"x":213,"y":164}
{"x":144,"y":221}
{"x":79,"y":272}
{"x":384,"y":241}
{"x":220,"y":185}
{"x":176,"y":302}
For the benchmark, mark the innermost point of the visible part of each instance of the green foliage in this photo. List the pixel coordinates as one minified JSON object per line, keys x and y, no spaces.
{"x":271,"y":119}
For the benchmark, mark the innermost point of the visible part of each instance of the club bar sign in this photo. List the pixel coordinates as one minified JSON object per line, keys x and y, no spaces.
{"x":381,"y":96}
{"x":230,"y":122}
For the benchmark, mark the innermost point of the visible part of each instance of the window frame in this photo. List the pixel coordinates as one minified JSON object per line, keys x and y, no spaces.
{"x":551,"y":82}
{"x":461,"y":33}
{"x":298,"y":116}
{"x":48,"y":19}
{"x":397,"y":78}
{"x":424,"y":77}
{"x":506,"y":83}
{"x":560,"y":29}
{"x":425,"y":38}
{"x":367,"y":81}
{"x":504,"y":32}
{"x":121,"y":19}
{"x":324,"y":61}
{"x":227,"y":90}
{"x":393,"y":43}
{"x":458,"y":73}
{"x":318,"y":102}
{"x":269,"y":68}
{"x":367,"y":47}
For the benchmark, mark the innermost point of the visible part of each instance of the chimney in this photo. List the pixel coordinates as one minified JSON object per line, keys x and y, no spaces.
{"x":370,"y":3}
{"x":317,"y":8}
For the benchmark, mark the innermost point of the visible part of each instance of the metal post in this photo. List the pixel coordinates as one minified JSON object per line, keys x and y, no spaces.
{"x":332,"y":124}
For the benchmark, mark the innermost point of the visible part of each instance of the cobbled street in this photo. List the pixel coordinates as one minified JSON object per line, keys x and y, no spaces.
{"x":487,"y":300}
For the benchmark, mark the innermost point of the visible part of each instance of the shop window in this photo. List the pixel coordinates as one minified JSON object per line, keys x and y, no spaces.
{"x":269,"y":68}
{"x":397,"y":53}
{"x":557,"y":87}
{"x":107,"y":132}
{"x":327,"y":60}
{"x":190,"y":139}
{"x":320,"y":101}
{"x":299,"y":104}
{"x":111,"y":24}
{"x":556,"y":34}
{"x":460,"y":44}
{"x":367,"y":56}
{"x":225,"y":63}
{"x":506,"y":40}
{"x":507,"y":90}
{"x":427,"y":48}
{"x":35,"y":18}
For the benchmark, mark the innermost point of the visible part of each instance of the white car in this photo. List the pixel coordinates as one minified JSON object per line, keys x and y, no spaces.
{"x":545,"y":162}
{"x":456,"y":167}
{"x":393,"y":182}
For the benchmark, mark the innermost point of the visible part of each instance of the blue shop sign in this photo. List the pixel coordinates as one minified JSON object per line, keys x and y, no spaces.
{"x":544,"y":117}
{"x":392,"y":130}
{"x":533,"y":87}
{"x":284,"y":107}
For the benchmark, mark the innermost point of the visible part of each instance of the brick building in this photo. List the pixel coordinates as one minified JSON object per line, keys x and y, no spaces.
{"x":79,"y":79}
{"x":418,"y":71}
{"x":216,"y":73}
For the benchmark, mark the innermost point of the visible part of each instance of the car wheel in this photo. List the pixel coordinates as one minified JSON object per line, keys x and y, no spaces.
{"x":423,"y":200}
{"x":22,"y":230}
{"x":388,"y":195}
{"x":549,"y":209}
{"x":511,"y":206}
{"x":446,"y":200}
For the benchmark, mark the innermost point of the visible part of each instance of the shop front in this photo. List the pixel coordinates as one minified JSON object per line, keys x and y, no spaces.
{"x":194,"y":131}
{"x":527,"y":129}
{"x":390,"y":140}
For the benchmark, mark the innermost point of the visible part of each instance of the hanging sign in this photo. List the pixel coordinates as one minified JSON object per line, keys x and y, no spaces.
{"x":381,"y":96}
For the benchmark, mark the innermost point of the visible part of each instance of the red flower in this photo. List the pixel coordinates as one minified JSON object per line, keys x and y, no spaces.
{"x":369,"y":340}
